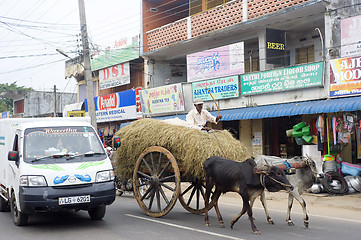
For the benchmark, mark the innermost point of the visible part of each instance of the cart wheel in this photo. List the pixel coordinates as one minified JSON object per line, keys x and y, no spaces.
{"x":156,"y":181}
{"x":192,"y":197}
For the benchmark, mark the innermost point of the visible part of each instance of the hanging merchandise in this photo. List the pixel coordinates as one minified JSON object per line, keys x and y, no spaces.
{"x":328,"y":156}
{"x":301,"y":133}
{"x":334,"y":124}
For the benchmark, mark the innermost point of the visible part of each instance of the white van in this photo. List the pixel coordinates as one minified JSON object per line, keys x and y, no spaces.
{"x":53,"y":164}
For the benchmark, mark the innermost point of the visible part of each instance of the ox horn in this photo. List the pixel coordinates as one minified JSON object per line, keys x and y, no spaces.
{"x":261,"y":169}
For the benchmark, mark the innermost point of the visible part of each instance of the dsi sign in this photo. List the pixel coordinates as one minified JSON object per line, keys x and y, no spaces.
{"x":283,"y":79}
{"x":116,"y":106}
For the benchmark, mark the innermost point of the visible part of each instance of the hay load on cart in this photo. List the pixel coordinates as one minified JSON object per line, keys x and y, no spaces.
{"x":159,"y":156}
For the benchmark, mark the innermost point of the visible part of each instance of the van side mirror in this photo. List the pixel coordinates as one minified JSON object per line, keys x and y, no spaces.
{"x":116,"y":142}
{"x":13,"y":156}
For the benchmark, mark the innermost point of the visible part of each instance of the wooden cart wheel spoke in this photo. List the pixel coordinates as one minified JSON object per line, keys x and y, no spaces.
{"x":163,"y":195}
{"x":143,"y":175}
{"x":166,"y":167}
{"x":192,"y":198}
{"x":158,"y":200}
{"x":151,"y":198}
{"x":145,"y":195}
{"x":157,"y":170}
{"x":159,"y":163}
{"x":192,"y":195}
{"x":187,"y":190}
{"x":166,"y":186}
{"x":147,"y":165}
{"x":167,"y":178}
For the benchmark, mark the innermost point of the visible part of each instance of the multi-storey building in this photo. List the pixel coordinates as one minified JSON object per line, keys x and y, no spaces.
{"x":270,"y":65}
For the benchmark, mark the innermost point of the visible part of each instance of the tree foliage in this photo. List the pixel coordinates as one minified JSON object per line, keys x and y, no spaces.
{"x":6,"y":104}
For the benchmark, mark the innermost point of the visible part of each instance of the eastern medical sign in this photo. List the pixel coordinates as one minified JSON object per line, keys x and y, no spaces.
{"x":116,"y":106}
{"x":301,"y":76}
{"x":345,"y":76}
{"x":114,"y":76}
{"x":214,"y":63}
{"x":163,"y":99}
{"x":220,"y":88}
{"x":351,"y":36}
{"x":124,"y":50}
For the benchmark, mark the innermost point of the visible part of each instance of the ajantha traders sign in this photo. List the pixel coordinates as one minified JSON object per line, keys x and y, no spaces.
{"x":220,"y":88}
{"x":345,"y":76}
{"x":163,"y":99}
{"x":214,"y":63}
{"x":301,"y":76}
{"x":116,"y":106}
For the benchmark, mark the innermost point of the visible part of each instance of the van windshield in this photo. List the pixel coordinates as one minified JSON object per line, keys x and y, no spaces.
{"x":61,"y":144}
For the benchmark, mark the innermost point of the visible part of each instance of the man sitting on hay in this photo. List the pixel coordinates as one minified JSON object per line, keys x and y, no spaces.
{"x":198,"y":117}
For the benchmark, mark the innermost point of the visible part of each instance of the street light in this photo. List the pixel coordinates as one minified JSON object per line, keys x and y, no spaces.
{"x":90,"y":91}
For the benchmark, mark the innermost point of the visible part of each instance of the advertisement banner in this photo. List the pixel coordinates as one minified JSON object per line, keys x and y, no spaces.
{"x":5,"y":115}
{"x":345,"y":76}
{"x":214,"y":63}
{"x":116,"y":106}
{"x":220,"y":88}
{"x":302,"y":76}
{"x":114,"y":76}
{"x":351,"y":36}
{"x":275,"y":46}
{"x":163,"y":99}
{"x":124,"y":50}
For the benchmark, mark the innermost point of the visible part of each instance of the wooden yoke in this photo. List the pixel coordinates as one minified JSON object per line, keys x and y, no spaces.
{"x":294,"y":165}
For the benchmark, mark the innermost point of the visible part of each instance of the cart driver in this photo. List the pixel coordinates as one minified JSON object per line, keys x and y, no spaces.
{"x":198,"y":117}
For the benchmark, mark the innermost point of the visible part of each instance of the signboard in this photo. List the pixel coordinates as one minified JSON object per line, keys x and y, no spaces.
{"x":220,"y":88}
{"x":345,"y":76}
{"x":351,"y":36}
{"x":214,"y":63}
{"x":163,"y":99}
{"x":275,"y":46}
{"x":116,"y":106}
{"x":302,"y":76}
{"x":114,"y":76}
{"x":124,"y":50}
{"x":5,"y":115}
{"x":76,"y":113}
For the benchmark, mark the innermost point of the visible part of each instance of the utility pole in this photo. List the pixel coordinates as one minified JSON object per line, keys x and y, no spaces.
{"x":87,"y":70}
{"x":54,"y":100}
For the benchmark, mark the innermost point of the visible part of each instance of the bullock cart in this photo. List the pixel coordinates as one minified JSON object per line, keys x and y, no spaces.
{"x":165,"y":162}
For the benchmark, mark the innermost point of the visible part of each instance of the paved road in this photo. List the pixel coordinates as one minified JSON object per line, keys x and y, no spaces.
{"x":124,"y":220}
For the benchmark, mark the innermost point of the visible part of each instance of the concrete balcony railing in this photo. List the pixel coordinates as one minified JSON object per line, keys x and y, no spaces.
{"x":215,"y":19}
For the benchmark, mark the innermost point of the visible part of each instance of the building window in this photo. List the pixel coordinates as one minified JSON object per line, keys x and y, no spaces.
{"x":255,"y":65}
{"x":305,"y":55}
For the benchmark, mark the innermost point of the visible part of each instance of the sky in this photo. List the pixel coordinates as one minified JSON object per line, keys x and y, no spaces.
{"x":32,"y":30}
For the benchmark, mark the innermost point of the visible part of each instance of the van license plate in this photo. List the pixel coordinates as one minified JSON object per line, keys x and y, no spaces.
{"x":74,"y":200}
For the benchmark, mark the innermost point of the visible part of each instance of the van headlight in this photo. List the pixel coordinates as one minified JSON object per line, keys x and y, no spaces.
{"x":33,"y":181}
{"x":104,"y":176}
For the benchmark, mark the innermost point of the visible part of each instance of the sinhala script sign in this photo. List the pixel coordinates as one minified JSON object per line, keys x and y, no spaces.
{"x":302,"y":76}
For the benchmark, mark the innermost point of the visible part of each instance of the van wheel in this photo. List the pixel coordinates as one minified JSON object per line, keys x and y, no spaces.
{"x":4,"y":206}
{"x":97,"y":213}
{"x":19,"y":218}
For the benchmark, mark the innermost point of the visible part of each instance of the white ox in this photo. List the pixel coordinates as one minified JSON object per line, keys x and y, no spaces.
{"x":302,"y":180}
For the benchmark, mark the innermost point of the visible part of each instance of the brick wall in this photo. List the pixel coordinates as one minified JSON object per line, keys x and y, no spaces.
{"x":259,"y":8}
{"x":217,"y":18}
{"x":168,"y":34}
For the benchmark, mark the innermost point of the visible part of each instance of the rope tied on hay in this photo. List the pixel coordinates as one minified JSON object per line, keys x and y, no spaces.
{"x":190,"y":147}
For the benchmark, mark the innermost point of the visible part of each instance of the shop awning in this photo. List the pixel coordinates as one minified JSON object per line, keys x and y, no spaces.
{"x":349,"y":104}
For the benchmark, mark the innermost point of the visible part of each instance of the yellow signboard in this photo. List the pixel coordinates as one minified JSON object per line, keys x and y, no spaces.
{"x":76,"y":113}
